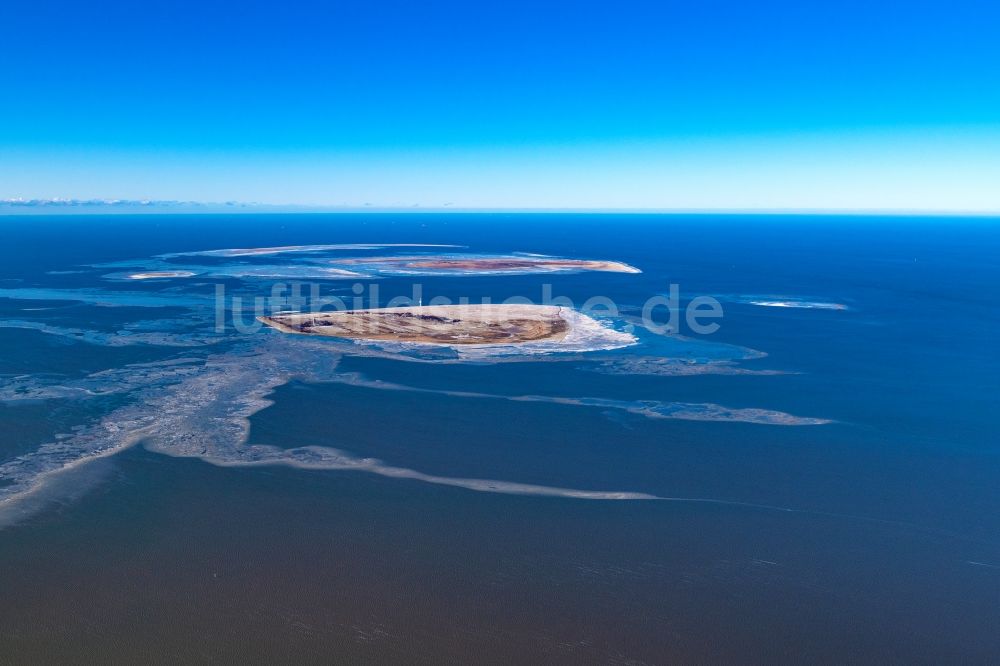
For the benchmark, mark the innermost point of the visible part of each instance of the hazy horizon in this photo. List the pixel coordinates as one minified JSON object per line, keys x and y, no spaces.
{"x":83,"y":207}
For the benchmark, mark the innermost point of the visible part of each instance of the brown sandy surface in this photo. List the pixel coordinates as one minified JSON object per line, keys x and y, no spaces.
{"x":438,"y":324}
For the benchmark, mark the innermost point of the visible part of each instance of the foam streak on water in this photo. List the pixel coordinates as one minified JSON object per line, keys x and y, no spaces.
{"x":204,"y":414}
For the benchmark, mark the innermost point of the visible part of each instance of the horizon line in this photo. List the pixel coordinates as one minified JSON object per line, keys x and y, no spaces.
{"x":70,"y":207}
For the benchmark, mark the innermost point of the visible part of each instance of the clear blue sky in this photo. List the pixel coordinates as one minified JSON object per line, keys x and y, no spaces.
{"x":694,"y":104}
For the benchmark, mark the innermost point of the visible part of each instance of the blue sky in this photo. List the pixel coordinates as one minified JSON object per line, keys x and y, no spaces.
{"x":516,"y":104}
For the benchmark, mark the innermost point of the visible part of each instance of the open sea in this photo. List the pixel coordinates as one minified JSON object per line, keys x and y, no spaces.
{"x":817,"y":480}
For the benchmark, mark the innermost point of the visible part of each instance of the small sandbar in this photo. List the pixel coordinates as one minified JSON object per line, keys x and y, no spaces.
{"x":161,"y":275}
{"x":806,"y":305}
{"x":485,"y":324}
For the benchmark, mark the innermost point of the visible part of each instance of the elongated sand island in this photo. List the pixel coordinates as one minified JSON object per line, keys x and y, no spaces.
{"x":161,"y":275}
{"x":493,"y":324}
{"x":516,"y":264}
{"x":486,"y":265}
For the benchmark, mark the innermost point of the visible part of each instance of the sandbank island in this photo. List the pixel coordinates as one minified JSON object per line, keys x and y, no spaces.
{"x":483,"y":324}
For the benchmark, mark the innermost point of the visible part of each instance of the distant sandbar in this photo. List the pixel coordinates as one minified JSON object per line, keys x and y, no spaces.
{"x":494,"y":264}
{"x":161,"y":275}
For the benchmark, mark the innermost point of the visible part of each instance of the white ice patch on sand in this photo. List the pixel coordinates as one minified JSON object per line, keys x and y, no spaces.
{"x":585,"y":334}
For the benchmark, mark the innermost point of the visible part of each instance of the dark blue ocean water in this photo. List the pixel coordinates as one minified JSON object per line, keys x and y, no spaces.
{"x":873,"y":537}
